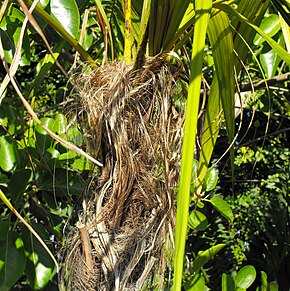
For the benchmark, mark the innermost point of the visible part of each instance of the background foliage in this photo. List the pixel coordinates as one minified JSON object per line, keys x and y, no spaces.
{"x":239,"y":229}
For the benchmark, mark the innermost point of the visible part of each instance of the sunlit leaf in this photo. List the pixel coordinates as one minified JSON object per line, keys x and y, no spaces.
{"x":223,"y":207}
{"x":270,"y":59}
{"x":67,"y":13}
{"x":81,"y":164}
{"x":8,"y":154}
{"x":43,"y":139}
{"x":197,"y":220}
{"x":211,"y":179}
{"x":245,"y":277}
{"x":279,"y":50}
{"x":10,"y":28}
{"x":197,"y":283}
{"x":40,"y":266}
{"x":60,"y":125}
{"x":204,"y":256}
{"x":270,"y":25}
{"x":203,"y":10}
{"x":221,"y":98}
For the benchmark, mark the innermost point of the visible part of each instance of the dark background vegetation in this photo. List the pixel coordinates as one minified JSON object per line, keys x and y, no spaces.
{"x":46,"y":182}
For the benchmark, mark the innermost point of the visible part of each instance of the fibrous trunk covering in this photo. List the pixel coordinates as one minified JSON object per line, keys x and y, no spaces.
{"x":125,"y":238}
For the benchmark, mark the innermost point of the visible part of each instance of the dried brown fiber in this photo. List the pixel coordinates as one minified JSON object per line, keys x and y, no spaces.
{"x":124,"y":240}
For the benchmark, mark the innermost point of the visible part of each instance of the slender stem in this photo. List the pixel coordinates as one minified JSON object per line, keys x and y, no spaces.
{"x":128,"y":32}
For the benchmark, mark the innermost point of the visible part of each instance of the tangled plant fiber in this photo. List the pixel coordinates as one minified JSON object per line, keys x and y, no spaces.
{"x":124,"y":239}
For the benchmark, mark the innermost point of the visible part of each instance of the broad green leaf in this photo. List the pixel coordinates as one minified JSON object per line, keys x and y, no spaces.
{"x":68,"y":155}
{"x":81,"y":164}
{"x":88,"y":39}
{"x":3,"y":180}
{"x":264,"y":281}
{"x":270,"y":25}
{"x":204,"y":256}
{"x":245,"y":277}
{"x":46,"y":121}
{"x":4,"y":229}
{"x":10,"y":28}
{"x":273,"y":286}
{"x":270,"y":60}
{"x":67,"y":13}
{"x":211,"y":179}
{"x":51,"y":153}
{"x":51,"y":157}
{"x":223,"y":207}
{"x":63,"y":182}
{"x":17,"y":185}
{"x":12,"y":261}
{"x":43,"y":139}
{"x":8,"y":154}
{"x":228,"y":283}
{"x":197,"y":220}
{"x":60,"y":125}
{"x":194,"y":176}
{"x":197,"y":283}
{"x":40,"y":266}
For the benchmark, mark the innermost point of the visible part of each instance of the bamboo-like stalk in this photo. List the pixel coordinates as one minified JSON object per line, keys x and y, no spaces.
{"x":203,"y":9}
{"x":86,"y":245}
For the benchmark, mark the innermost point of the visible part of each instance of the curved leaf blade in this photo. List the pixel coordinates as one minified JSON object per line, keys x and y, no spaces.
{"x":17,"y":185}
{"x":223,"y":207}
{"x":197,"y":220}
{"x":203,"y":10}
{"x":197,"y":283}
{"x":12,"y":260}
{"x":282,"y":53}
{"x":8,"y":154}
{"x":270,"y":25}
{"x":40,"y":266}
{"x":67,"y":14}
{"x":228,"y":283}
{"x":204,"y":256}
{"x":221,"y":99}
{"x":211,"y":179}
{"x":245,"y":277}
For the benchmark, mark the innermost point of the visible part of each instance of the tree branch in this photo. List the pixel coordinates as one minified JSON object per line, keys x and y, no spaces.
{"x":263,"y":83}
